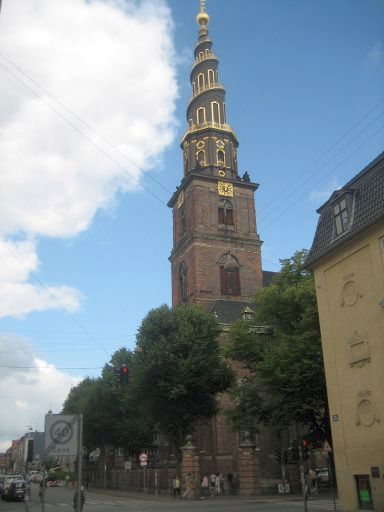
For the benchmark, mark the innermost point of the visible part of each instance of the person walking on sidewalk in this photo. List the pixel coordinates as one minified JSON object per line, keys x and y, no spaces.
{"x":176,"y":486}
{"x":205,"y":486}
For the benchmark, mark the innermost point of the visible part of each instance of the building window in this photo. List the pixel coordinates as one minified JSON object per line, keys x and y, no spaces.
{"x":215,"y":110}
{"x":230,"y":281}
{"x":200,"y":115}
{"x":340,"y":212}
{"x":200,"y":81}
{"x":225,"y":113}
{"x":201,"y":55}
{"x":183,"y":222}
{"x":194,"y":87}
{"x":200,"y":157}
{"x":229,"y":275}
{"x":225,"y":211}
{"x":211,"y":76}
{"x":220,"y":158}
{"x":183,"y":281}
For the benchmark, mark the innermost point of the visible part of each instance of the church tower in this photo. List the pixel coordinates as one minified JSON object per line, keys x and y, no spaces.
{"x":216,"y":249}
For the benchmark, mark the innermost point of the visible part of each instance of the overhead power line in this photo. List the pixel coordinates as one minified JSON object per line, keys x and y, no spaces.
{"x":319,"y":181}
{"x":78,"y":130}
{"x":84,"y":123}
{"x":53,"y":297}
{"x":325,"y":152}
{"x":54,"y":367}
{"x":125,"y":170}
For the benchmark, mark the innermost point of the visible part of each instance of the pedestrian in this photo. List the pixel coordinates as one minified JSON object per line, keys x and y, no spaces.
{"x":222,"y":484}
{"x":313,"y":480}
{"x":188,"y":487}
{"x":205,"y":486}
{"x":76,"y":498}
{"x":176,"y":486}
{"x":217,"y":484}
{"x":212,"y":481}
{"x":42,"y":484}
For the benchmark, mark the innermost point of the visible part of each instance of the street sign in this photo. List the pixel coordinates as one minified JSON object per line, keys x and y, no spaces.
{"x":127,"y":464}
{"x":61,"y":434}
{"x":327,"y":447}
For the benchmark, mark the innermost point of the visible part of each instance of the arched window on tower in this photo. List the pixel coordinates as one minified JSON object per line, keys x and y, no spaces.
{"x":200,"y":157}
{"x":183,"y":281}
{"x":200,"y":81}
{"x":215,"y":110}
{"x":225,"y":212}
{"x":225,"y":113}
{"x":229,"y":275}
{"x":211,"y":76}
{"x":220,"y":158}
{"x":201,"y":55}
{"x":200,"y":115}
{"x":193,"y":87}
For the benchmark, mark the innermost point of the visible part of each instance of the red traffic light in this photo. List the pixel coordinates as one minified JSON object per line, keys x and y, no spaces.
{"x":125,"y":370}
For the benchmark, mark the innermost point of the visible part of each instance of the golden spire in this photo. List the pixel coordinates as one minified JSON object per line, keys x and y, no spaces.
{"x":202,"y":18}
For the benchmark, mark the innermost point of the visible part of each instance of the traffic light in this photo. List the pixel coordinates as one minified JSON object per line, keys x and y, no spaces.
{"x":305,"y":449}
{"x":124,"y":375}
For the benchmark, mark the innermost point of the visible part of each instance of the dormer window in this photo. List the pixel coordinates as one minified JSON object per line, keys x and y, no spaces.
{"x":341,"y":215}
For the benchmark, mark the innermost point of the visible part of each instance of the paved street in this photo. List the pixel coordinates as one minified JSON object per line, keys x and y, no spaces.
{"x":60,"y":499}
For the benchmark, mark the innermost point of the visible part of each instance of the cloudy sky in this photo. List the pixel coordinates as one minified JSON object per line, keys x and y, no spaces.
{"x":92,"y":107}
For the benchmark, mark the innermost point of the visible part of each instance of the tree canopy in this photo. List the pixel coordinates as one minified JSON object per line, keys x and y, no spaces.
{"x":175,"y":373}
{"x":113,"y":415}
{"x":180,"y":368}
{"x":286,"y":381}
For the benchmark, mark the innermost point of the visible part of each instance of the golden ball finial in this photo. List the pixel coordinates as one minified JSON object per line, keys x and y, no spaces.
{"x":202,"y":19}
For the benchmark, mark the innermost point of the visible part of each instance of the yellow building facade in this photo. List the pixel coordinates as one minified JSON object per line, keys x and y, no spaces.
{"x":347,"y":257}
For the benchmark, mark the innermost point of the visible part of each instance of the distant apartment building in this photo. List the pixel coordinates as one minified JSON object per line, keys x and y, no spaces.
{"x":347,"y":257}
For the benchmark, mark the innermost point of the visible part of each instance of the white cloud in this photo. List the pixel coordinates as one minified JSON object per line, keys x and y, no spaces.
{"x":323,"y":195}
{"x":26,"y":394}
{"x":17,"y":296}
{"x":111,"y":63}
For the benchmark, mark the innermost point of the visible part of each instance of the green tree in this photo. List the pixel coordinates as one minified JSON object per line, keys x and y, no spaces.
{"x":113,"y":415}
{"x":286,"y":380}
{"x":179,"y":368}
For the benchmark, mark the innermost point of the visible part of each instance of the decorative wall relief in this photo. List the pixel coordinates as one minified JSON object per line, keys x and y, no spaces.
{"x":365,"y":410}
{"x":350,"y":293}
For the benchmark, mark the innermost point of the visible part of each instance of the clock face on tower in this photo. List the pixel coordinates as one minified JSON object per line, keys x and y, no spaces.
{"x":225,"y":189}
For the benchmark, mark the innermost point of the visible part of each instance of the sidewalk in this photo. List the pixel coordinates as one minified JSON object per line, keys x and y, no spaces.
{"x":255,"y":498}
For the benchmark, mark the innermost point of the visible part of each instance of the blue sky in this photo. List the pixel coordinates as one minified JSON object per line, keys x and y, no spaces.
{"x":304,"y":82}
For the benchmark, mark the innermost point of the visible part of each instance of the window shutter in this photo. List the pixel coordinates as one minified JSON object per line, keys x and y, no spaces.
{"x":221,"y":216}
{"x":235,"y":282}
{"x":223,"y":281}
{"x":229,"y":217}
